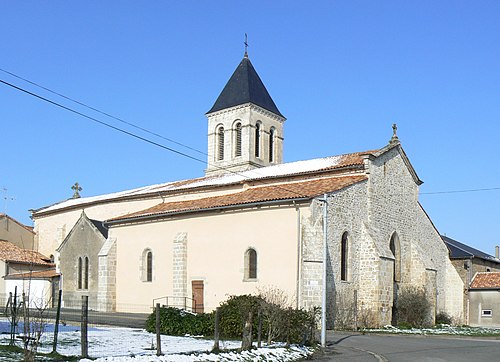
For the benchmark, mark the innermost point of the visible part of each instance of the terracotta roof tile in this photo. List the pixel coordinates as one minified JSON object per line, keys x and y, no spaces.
{"x":274,"y":192}
{"x":40,"y":274}
{"x":13,"y":253}
{"x":349,"y":162}
{"x":488,"y":280}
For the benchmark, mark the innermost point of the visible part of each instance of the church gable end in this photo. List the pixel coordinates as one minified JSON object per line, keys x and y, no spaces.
{"x":78,"y":261}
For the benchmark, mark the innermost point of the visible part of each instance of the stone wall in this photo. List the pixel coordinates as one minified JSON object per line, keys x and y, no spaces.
{"x":372,"y":212}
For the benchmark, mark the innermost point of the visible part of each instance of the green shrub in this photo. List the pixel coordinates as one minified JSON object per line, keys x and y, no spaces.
{"x":443,"y":318}
{"x":297,"y":325}
{"x":413,"y":307}
{"x":176,"y":322}
{"x":234,"y":312}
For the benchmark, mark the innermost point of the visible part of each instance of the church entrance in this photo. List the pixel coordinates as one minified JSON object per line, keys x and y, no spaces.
{"x":197,"y":288}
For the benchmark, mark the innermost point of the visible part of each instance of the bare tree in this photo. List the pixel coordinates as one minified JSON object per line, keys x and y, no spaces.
{"x":274,"y":306}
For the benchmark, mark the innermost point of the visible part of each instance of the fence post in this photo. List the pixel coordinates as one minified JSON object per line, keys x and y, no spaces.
{"x":84,"y":326}
{"x":216,"y":347}
{"x":158,"y":338}
{"x":355,"y":309}
{"x":259,"y":330}
{"x":56,"y":326}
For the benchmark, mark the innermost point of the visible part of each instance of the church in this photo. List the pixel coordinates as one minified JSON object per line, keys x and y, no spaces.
{"x":253,"y":222}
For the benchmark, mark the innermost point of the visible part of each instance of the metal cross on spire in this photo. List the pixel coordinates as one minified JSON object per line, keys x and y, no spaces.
{"x":246,"y":45}
{"x":76,"y":187}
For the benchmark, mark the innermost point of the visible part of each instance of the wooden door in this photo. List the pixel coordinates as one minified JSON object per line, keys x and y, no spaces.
{"x":197,"y":288}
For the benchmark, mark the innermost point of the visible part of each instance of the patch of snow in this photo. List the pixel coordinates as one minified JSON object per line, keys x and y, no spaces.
{"x":119,"y":344}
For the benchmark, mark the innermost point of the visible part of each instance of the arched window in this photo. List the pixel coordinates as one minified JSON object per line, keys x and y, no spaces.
{"x":83,"y":273}
{"x":86,"y":274}
{"x":147,"y":266}
{"x":80,"y":273}
{"x":257,"y":139}
{"x":271,"y":144}
{"x":344,"y":255}
{"x":251,"y":264}
{"x":237,"y":141}
{"x":396,"y":252}
{"x":220,"y":143}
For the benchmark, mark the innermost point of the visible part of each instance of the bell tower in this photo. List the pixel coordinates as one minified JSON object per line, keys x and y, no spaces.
{"x":245,"y":128}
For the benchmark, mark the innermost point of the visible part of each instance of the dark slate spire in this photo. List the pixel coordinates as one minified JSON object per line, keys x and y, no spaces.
{"x":245,"y":86}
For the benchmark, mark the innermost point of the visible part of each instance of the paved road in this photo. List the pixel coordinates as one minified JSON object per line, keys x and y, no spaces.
{"x":369,"y":347}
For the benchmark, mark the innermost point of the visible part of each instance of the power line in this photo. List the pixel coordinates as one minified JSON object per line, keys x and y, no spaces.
{"x":101,"y":122}
{"x":103,"y":113}
{"x":163,"y":137}
{"x":459,"y":191}
{"x":139,"y":137}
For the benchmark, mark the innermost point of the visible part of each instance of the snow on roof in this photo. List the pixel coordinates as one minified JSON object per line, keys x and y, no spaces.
{"x":285,"y":169}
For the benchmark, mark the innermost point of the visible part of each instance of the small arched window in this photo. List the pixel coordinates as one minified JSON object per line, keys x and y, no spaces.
{"x":344,"y":256}
{"x":251,"y":264}
{"x":86,"y":274}
{"x":83,"y":273}
{"x":80,"y":273}
{"x":220,"y":143}
{"x":257,"y":139}
{"x":272,"y":132}
{"x":237,"y":141}
{"x":147,"y":266}
{"x":396,"y":252}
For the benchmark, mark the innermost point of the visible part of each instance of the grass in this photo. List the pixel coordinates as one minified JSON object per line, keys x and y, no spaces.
{"x":16,"y":353}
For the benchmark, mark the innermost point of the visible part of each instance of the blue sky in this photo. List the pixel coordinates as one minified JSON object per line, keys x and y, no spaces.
{"x":340,"y":71}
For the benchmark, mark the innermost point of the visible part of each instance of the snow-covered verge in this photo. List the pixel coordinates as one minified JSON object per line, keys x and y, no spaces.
{"x":275,"y":353}
{"x":443,"y":329}
{"x":126,"y":344}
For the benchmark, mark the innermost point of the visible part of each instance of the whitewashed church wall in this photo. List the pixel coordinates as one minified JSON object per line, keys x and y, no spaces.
{"x":52,"y":229}
{"x":216,"y":246}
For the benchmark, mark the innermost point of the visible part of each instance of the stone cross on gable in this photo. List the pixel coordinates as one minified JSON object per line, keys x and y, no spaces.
{"x":76,"y":187}
{"x":394,"y":138}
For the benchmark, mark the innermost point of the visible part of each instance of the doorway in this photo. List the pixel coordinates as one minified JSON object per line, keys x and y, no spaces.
{"x":197,"y":288}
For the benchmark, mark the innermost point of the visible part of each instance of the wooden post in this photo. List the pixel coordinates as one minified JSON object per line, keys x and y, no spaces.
{"x":216,"y":347}
{"x":355,"y":310}
{"x":246,"y":343}
{"x":259,"y":330}
{"x":158,"y":338}
{"x":56,"y":326}
{"x":84,"y":326}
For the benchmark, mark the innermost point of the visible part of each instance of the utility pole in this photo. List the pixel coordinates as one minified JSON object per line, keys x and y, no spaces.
{"x":325,"y":254}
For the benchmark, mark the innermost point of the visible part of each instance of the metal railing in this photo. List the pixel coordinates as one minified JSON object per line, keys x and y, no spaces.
{"x":185,"y":303}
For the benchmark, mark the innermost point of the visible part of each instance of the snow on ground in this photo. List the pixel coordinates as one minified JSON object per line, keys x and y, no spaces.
{"x":445,"y":329}
{"x":118,"y":344}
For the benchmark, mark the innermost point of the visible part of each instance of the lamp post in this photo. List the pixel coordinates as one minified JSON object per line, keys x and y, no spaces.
{"x":325,"y":248}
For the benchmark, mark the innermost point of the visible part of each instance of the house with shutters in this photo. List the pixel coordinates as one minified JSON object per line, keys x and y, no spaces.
{"x":252,"y":222}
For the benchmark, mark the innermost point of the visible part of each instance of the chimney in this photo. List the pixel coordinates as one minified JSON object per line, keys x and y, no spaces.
{"x":497,"y":252}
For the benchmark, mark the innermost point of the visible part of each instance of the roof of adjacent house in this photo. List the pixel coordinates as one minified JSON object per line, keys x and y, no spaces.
{"x":255,"y":194}
{"x":460,"y":250}
{"x":12,"y":253}
{"x":245,"y":86}
{"x":486,"y":280}
{"x":40,"y":274}
{"x":281,"y":171}
{"x":29,"y":228}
